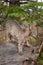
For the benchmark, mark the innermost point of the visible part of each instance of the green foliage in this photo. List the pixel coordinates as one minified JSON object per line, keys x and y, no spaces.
{"x":40,"y":57}
{"x":29,"y":12}
{"x":1,"y":21}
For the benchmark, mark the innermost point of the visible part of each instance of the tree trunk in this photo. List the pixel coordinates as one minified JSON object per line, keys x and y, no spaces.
{"x":14,"y":2}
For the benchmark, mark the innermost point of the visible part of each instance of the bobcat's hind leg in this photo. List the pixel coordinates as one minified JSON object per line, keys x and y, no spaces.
{"x":7,"y":38}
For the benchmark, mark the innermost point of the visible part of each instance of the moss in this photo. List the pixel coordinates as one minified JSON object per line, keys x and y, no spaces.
{"x":32,"y":40}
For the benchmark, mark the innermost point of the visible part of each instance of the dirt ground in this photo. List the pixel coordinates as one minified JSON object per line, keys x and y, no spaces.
{"x":9,"y":54}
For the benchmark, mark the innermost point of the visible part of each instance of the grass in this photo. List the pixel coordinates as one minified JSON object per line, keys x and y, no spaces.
{"x":40,"y":57}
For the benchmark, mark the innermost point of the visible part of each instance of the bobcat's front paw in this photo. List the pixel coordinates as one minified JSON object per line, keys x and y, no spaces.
{"x":21,"y":53}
